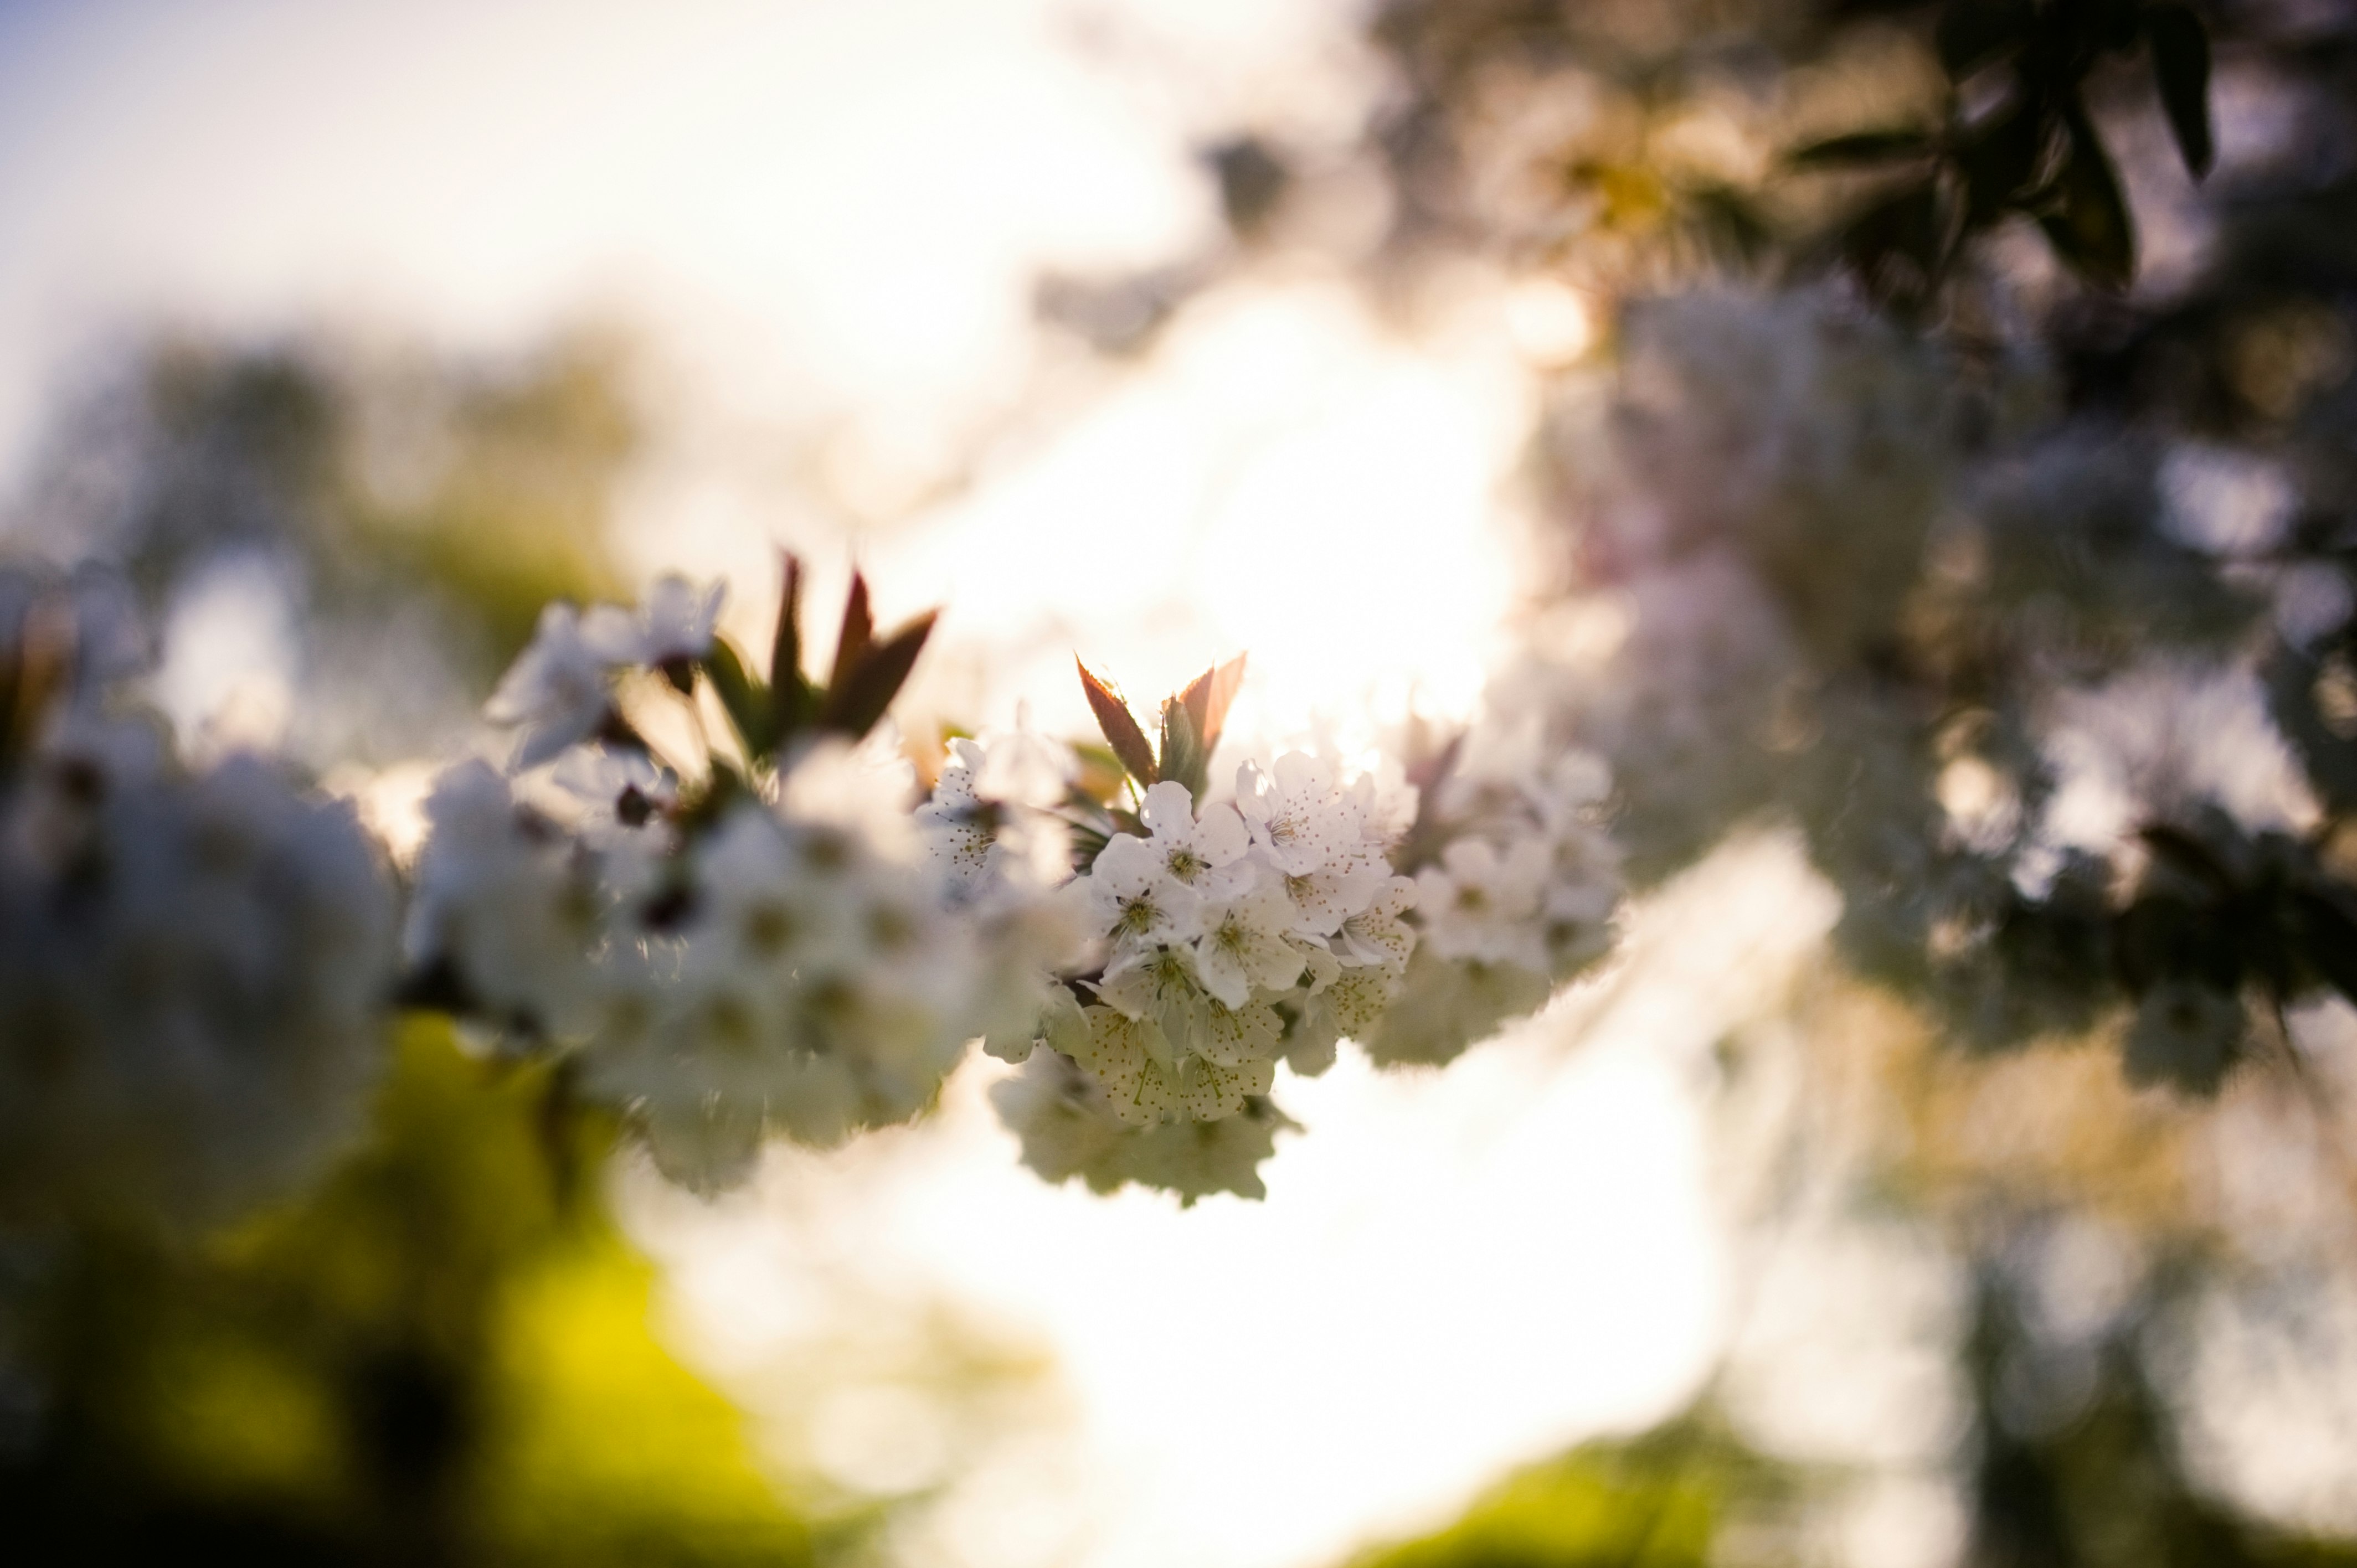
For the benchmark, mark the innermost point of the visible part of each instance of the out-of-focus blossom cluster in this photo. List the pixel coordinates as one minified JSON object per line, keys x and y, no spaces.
{"x":193,"y":965}
{"x":1517,"y":888}
{"x":749,"y":939}
{"x":2049,"y":699}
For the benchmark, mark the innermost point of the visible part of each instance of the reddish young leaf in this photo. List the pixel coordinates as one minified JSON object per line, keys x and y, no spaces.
{"x":1121,"y":731}
{"x":1196,"y":699}
{"x":1208,"y":697}
{"x":786,"y":647}
{"x":858,"y":631}
{"x":854,"y":704}
{"x":789,"y":694}
{"x":1224,"y":684}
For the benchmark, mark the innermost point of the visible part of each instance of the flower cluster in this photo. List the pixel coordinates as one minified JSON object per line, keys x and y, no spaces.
{"x":192,"y":965}
{"x":1517,"y":888}
{"x":1233,"y":933}
{"x":750,"y":940}
{"x":1224,"y":925}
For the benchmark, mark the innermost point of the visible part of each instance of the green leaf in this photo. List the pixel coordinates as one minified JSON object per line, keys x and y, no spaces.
{"x":744,"y":699}
{"x":1183,"y":757}
{"x":2180,"y":68}
{"x":2091,"y":229}
{"x":1975,"y":33}
{"x":853,"y":704}
{"x":1121,"y":731}
{"x":1859,"y":148}
{"x":1102,"y":776}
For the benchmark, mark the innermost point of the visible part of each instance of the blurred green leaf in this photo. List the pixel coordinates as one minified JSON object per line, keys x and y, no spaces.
{"x":1183,"y":758}
{"x":744,"y":700}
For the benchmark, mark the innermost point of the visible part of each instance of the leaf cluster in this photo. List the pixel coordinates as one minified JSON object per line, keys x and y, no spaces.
{"x":771,"y":714}
{"x":1191,"y":727}
{"x":2035,"y":153}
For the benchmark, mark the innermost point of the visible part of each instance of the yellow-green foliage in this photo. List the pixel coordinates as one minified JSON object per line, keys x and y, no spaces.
{"x":442,"y":1353}
{"x":1659,"y":1501}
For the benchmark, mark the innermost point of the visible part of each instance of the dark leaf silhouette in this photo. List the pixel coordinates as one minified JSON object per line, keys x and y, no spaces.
{"x":2180,"y":68}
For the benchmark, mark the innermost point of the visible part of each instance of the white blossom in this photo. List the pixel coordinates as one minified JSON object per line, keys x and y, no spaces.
{"x":983,"y":833}
{"x":1375,"y":934}
{"x":510,"y":903}
{"x":1483,"y":905}
{"x":1299,"y":822}
{"x":1243,"y":944}
{"x":614,"y":792}
{"x":1023,"y":767}
{"x":1067,"y":1128}
{"x":192,"y":974}
{"x":1203,"y":855}
{"x":675,"y":621}
{"x":816,"y":984}
{"x":560,"y":689}
{"x":1133,"y":899}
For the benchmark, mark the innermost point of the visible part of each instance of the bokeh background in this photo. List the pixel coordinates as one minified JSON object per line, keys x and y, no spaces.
{"x":1155,"y":330}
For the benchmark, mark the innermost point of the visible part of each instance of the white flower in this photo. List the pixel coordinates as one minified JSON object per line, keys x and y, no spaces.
{"x":1021,"y":766}
{"x":1162,"y":987}
{"x":1135,"y":1068}
{"x":1299,"y":822}
{"x":1482,"y":905}
{"x":1069,"y":1128}
{"x":559,"y":689}
{"x":619,"y":792}
{"x":989,"y":845}
{"x":675,"y":620}
{"x":192,"y":978}
{"x":814,"y":980}
{"x":1134,"y":900}
{"x":1346,"y":1009}
{"x":1324,"y":901}
{"x":957,"y":827}
{"x":1442,"y":1006}
{"x":1243,"y":945}
{"x":1376,"y":934}
{"x":1206,"y":854}
{"x":1158,"y":984}
{"x":509,"y":901}
{"x":864,"y":789}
